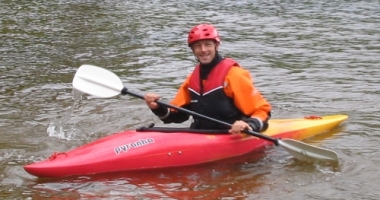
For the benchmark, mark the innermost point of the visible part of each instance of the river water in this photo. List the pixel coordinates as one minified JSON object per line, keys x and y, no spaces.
{"x":306,"y":57}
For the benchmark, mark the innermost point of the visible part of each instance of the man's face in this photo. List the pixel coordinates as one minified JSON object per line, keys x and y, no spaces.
{"x":205,"y":50}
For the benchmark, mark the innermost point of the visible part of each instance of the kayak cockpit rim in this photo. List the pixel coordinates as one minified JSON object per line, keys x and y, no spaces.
{"x":151,"y":128}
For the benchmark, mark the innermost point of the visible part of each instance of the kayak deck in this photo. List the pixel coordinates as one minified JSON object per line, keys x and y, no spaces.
{"x":151,"y":149}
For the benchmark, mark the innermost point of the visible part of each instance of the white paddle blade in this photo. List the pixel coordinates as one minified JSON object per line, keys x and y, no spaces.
{"x":308,"y":153}
{"x":97,"y":81}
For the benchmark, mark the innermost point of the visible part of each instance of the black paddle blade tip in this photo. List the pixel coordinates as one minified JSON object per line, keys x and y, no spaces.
{"x":124,"y":91}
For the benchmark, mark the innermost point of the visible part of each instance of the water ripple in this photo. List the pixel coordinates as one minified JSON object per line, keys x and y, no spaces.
{"x":306,"y":57}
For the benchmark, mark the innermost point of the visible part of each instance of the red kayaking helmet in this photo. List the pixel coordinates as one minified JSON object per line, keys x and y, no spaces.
{"x":203,"y":32}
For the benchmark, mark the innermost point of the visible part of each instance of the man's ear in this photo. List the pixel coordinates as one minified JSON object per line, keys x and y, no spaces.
{"x":217,"y":44}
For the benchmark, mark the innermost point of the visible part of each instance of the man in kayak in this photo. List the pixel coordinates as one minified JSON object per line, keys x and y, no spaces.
{"x":218,"y":88}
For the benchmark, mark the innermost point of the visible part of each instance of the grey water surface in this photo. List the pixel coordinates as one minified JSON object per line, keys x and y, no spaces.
{"x":306,"y":57}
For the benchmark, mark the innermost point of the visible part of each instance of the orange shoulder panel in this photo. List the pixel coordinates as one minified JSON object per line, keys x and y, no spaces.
{"x":239,"y":86}
{"x":183,"y":95}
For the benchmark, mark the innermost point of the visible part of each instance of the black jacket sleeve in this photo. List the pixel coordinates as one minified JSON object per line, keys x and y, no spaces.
{"x":169,"y":116}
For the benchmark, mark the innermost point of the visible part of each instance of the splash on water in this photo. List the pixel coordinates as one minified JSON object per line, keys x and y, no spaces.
{"x":56,"y":127}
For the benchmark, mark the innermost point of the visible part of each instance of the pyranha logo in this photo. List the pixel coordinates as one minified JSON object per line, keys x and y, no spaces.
{"x":139,"y":143}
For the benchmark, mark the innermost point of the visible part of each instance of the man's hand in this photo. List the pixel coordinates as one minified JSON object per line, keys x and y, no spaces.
{"x":239,"y":126}
{"x":150,"y":100}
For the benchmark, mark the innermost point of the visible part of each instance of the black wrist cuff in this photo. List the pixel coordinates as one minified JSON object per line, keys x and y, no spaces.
{"x":256,"y":124}
{"x":161,"y":111}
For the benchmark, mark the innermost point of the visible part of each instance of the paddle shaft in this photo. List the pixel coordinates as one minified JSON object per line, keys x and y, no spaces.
{"x":275,"y":141}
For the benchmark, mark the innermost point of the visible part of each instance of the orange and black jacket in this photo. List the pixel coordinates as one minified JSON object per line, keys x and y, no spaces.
{"x":226,"y":93}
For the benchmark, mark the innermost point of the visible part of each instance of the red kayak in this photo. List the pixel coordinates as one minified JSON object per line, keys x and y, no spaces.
{"x":151,"y":148}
